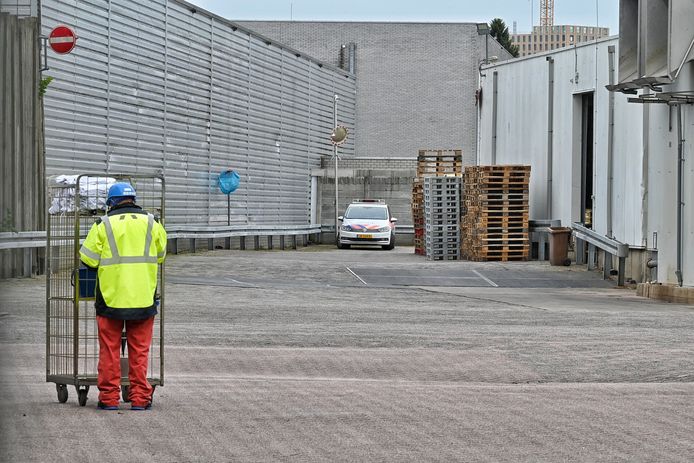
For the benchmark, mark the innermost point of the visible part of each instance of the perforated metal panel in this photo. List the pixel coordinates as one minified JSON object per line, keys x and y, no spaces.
{"x":153,"y":86}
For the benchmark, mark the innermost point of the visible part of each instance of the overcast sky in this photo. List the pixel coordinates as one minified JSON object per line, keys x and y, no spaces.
{"x":604,"y":13}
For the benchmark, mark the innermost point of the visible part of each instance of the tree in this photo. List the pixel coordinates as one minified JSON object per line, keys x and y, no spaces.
{"x":498,"y":30}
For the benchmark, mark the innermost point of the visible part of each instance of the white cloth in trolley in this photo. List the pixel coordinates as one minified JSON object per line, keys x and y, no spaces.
{"x":92,"y":190}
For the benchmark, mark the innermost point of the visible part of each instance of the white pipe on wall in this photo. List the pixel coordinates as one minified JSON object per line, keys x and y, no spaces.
{"x":550,"y":134}
{"x":610,"y":143}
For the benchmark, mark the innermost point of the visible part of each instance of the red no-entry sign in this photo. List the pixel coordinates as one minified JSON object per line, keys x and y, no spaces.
{"x":62,"y":39}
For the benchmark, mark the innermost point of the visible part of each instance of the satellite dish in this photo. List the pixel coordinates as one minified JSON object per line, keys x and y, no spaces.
{"x":339,"y":135}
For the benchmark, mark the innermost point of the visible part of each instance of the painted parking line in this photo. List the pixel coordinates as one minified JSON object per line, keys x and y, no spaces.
{"x":418,"y":280}
{"x":425,"y":276}
{"x":485,"y":278}
{"x":208,"y":281}
{"x":356,"y":276}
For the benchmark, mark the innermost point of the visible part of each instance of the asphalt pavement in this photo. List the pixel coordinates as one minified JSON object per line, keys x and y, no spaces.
{"x":370,"y":355}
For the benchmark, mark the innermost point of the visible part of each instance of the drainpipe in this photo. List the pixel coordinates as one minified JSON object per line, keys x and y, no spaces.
{"x":337,"y":201}
{"x":550,"y":135}
{"x":680,"y":202}
{"x":644,"y":171}
{"x":314,"y":200}
{"x":495,"y":85}
{"x":610,"y":143}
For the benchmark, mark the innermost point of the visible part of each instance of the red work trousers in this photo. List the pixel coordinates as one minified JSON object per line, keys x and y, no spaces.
{"x":139,"y":334}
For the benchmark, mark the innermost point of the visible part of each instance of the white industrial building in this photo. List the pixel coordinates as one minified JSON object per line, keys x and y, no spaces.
{"x":606,"y":159}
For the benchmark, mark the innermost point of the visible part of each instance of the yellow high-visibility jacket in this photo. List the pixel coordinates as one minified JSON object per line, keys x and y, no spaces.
{"x":126,"y":245}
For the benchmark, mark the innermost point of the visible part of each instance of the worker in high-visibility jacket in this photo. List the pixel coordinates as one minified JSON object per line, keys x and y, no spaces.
{"x":126,"y":245}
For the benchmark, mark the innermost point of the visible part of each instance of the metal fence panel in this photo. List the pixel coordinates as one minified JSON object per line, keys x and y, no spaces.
{"x":21,"y":160}
{"x":157,"y":87}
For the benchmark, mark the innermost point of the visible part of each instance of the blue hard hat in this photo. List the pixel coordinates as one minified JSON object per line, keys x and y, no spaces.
{"x":119,"y":191}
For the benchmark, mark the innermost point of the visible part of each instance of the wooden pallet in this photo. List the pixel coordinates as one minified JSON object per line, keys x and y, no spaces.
{"x":500,"y":258}
{"x":472,"y":201}
{"x":492,"y":210}
{"x":489,"y":220}
{"x":473,"y":230}
{"x":439,"y":155}
{"x":482,"y":246}
{"x":440,"y":163}
{"x":501,"y":167}
{"x":510,"y":185}
{"x":503,"y":236}
{"x":502,"y":189}
{"x":496,"y":196}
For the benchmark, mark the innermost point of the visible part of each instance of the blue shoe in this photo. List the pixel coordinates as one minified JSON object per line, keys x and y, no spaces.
{"x":103,"y":406}
{"x":140,"y":407}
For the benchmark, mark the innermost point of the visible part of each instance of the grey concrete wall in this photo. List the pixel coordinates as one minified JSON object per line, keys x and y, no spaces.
{"x":21,"y":151}
{"x":416,"y":82}
{"x":389,"y":179}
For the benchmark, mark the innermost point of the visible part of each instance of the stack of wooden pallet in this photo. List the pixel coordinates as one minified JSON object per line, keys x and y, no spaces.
{"x":495,"y":219}
{"x":418,"y":214}
{"x":430,"y":163}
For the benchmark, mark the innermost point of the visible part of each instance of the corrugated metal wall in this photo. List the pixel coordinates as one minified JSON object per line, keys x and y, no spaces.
{"x":163,"y":85}
{"x":21,"y":160}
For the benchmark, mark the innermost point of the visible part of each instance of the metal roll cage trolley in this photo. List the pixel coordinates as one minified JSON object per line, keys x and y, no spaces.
{"x":74,"y":203}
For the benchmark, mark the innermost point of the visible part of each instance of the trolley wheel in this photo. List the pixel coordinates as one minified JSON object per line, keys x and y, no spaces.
{"x":82,"y":395}
{"x":62,"y":393}
{"x":125,"y":392}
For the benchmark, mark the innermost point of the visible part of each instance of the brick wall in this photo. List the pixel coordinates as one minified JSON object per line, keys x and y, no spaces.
{"x":416,"y":82}
{"x":373,"y":163}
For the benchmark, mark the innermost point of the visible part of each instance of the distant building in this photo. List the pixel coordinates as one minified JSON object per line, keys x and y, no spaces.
{"x":545,"y":38}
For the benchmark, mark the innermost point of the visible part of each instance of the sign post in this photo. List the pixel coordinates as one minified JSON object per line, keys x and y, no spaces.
{"x":228,"y":182}
{"x":337,"y":137}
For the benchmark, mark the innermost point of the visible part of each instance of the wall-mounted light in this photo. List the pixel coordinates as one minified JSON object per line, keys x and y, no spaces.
{"x":483,"y":29}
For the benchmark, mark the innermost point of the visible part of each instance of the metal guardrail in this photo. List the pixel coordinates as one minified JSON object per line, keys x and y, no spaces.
{"x":400,"y":229}
{"x":614,"y":247}
{"x":21,"y":240}
{"x":29,"y":243}
{"x":37,"y":239}
{"x":210,"y":233}
{"x":610,"y":246}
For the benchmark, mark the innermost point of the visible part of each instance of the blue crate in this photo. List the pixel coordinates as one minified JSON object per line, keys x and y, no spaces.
{"x":87,"y":278}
